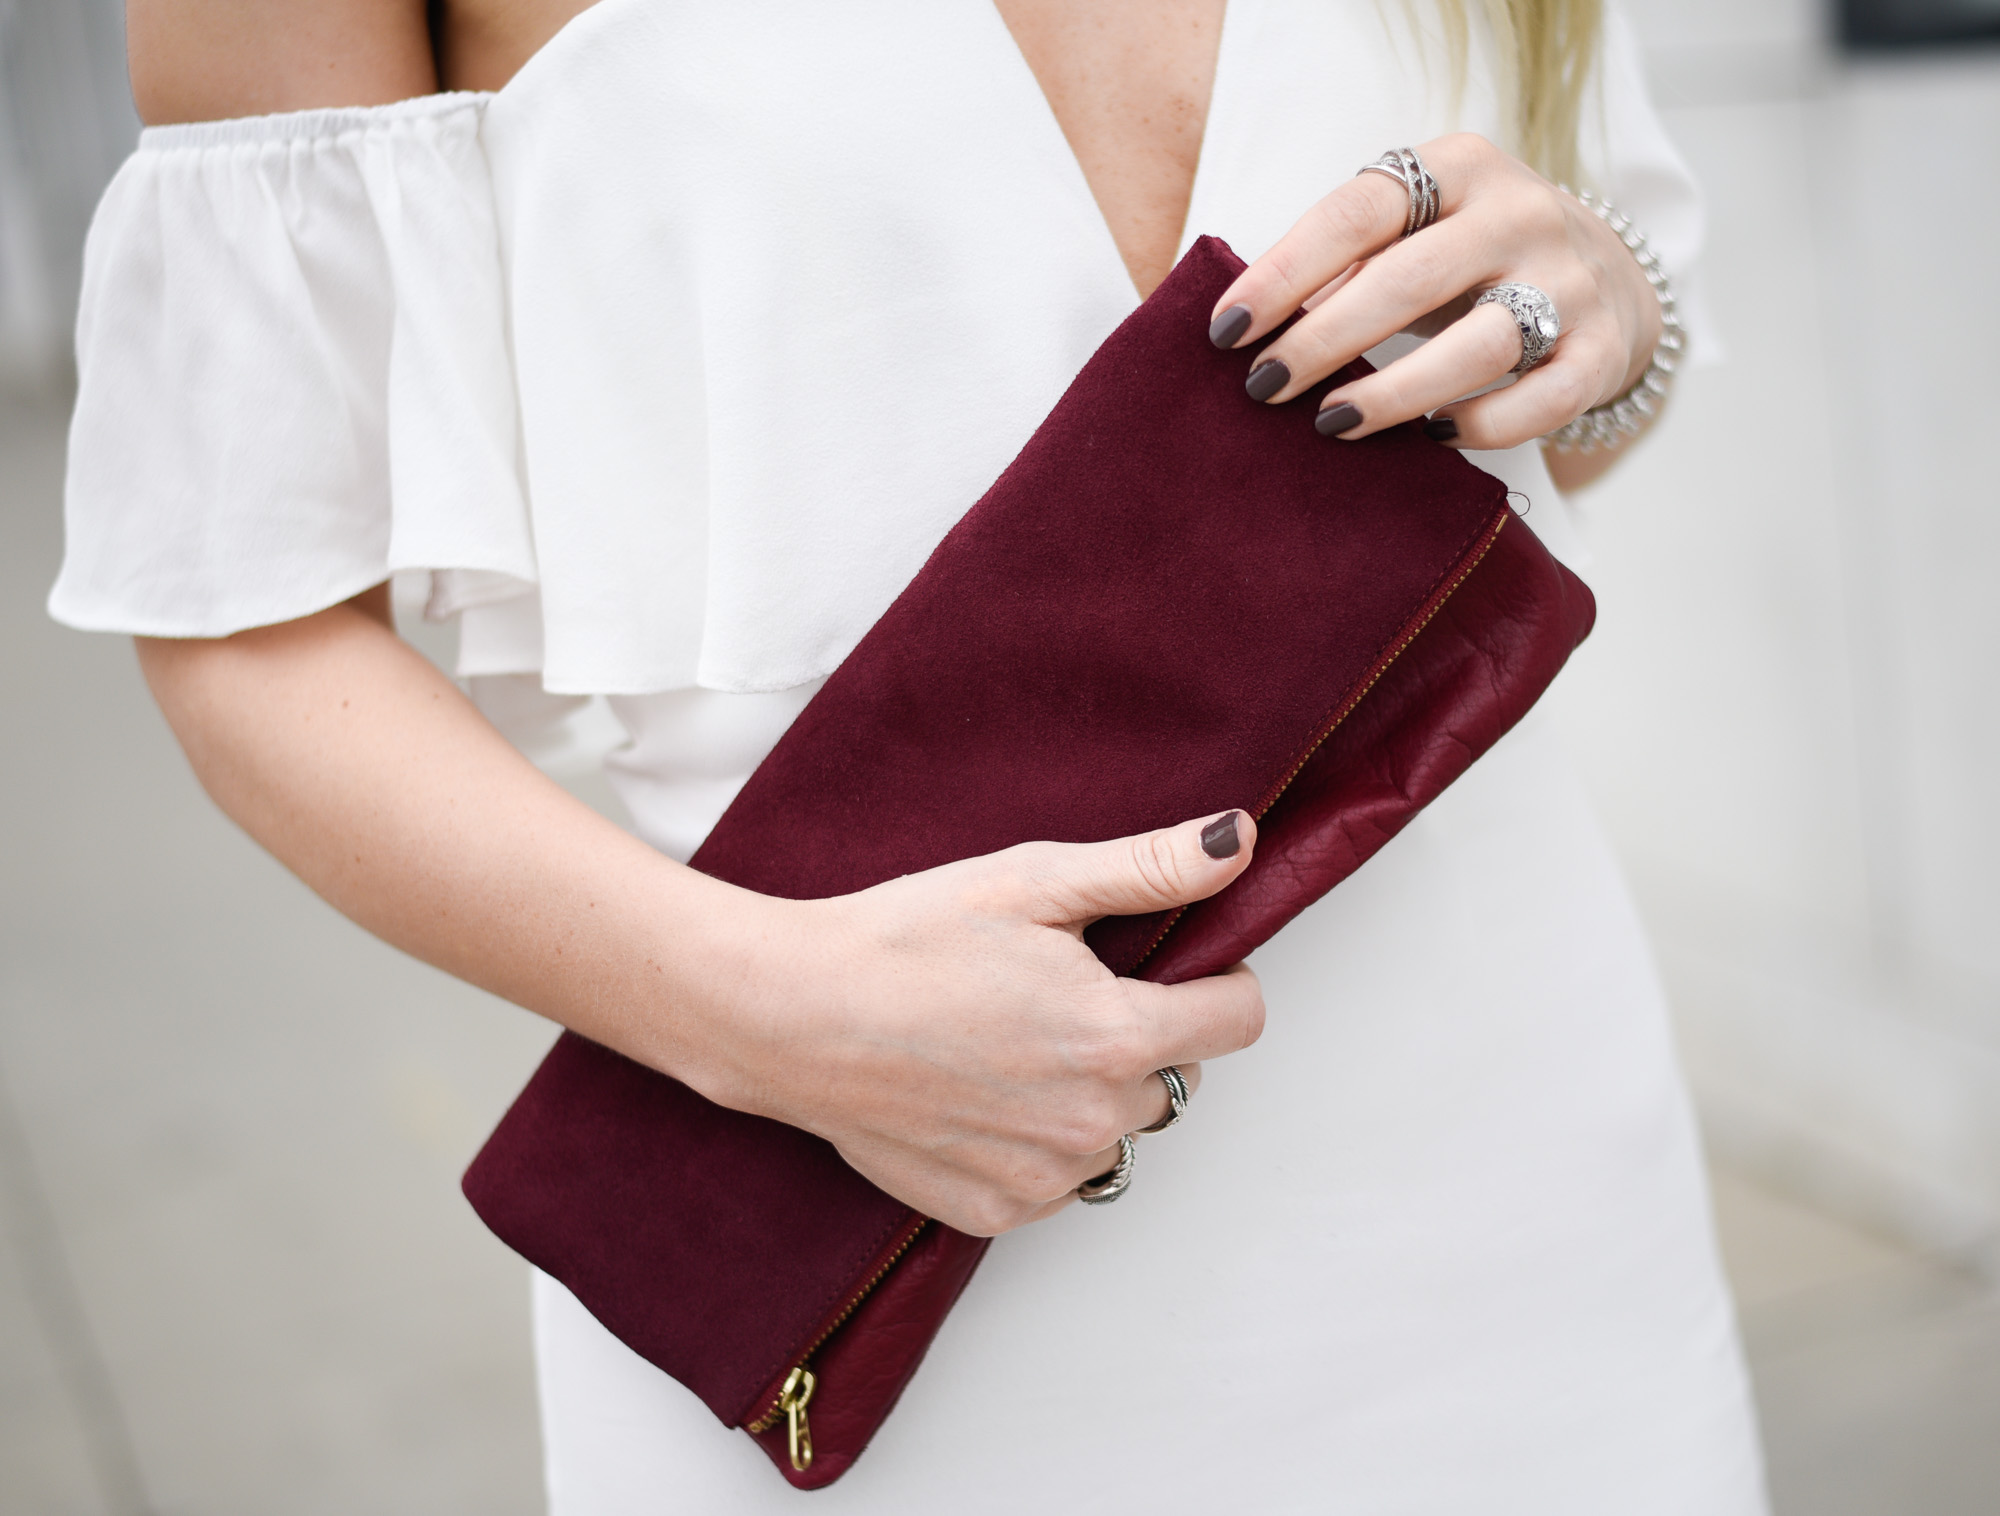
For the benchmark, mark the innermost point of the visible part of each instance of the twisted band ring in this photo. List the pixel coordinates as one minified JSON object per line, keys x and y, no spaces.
{"x":1178,"y":1096}
{"x":1108,"y":1186}
{"x":1404,"y":166}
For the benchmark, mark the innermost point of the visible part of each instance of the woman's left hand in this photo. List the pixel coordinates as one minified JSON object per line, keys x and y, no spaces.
{"x":1499,"y":222}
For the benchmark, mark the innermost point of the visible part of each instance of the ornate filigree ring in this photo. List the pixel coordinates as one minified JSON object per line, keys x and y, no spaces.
{"x":1534,"y":313}
{"x":1108,"y":1186}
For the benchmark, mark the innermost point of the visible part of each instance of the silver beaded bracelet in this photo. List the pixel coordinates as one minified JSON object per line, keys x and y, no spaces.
{"x":1604,"y":425}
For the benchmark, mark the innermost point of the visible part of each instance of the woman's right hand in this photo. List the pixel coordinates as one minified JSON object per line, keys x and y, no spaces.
{"x":948,"y":1031}
{"x":952,"y":1036}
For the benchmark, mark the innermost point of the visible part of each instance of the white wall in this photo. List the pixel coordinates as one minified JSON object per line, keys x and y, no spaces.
{"x":1788,"y":713}
{"x":65,"y":122}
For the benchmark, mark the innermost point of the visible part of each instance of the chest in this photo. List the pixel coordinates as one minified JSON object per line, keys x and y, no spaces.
{"x":1128,"y":82}
{"x":789,"y":284}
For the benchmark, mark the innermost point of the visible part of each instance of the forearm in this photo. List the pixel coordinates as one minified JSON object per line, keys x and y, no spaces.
{"x":368,"y":774}
{"x":948,"y":1031}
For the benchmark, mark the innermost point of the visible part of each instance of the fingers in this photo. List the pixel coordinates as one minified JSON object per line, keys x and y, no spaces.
{"x":995,"y":1192}
{"x":1393,"y":293}
{"x":1197,"y":1020}
{"x":1475,"y":351}
{"x":1363,"y":216}
{"x":1358,"y":281}
{"x":1039,"y":1059}
{"x":1151,"y":1103}
{"x":1581,"y":373}
{"x":1471,"y":354}
{"x":1100,"y":1164}
{"x":1007,"y":1181}
{"x":1097,"y":1166}
{"x":1130,"y":876}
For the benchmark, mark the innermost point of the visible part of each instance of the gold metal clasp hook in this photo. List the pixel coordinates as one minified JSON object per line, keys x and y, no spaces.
{"x":792,"y":1400}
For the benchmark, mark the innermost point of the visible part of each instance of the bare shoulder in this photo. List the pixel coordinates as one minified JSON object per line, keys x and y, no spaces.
{"x":207,"y":60}
{"x":482,"y":43}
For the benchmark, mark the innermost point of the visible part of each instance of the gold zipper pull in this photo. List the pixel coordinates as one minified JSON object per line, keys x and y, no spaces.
{"x":792,"y":1400}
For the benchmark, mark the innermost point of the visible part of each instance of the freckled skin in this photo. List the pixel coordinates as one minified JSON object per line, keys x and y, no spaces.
{"x":925,"y":1017}
{"x":1129,"y":82}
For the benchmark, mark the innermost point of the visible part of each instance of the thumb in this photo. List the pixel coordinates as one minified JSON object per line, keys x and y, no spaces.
{"x":1152,"y":871}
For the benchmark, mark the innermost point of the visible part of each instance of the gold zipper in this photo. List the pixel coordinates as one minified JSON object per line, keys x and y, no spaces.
{"x":1429,"y":612}
{"x":797,"y":1391}
{"x":792,"y":1400}
{"x":800,"y":1383}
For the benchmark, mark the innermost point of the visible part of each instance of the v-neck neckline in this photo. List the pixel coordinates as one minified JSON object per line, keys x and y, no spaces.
{"x":1052,"y":132}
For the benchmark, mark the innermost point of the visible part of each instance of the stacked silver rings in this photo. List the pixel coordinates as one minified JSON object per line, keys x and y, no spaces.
{"x":1404,"y":166}
{"x":1108,"y":1186}
{"x":1534,"y":313}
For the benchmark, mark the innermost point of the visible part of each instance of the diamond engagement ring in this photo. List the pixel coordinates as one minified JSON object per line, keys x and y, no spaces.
{"x":1178,"y":1096}
{"x":1534,"y":313}
{"x":1107,"y":1187}
{"x":1404,"y":166}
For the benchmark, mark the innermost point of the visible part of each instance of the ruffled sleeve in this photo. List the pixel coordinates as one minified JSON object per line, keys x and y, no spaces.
{"x":293,"y":374}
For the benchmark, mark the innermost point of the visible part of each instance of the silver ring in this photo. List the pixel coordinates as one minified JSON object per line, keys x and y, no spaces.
{"x":1178,"y":1096}
{"x":1404,"y":166}
{"x":1106,"y":1188}
{"x":1534,"y":313}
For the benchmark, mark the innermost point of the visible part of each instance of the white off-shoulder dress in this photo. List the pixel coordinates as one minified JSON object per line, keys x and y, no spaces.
{"x":667,"y":365}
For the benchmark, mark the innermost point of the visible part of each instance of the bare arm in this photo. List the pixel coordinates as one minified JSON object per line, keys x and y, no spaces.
{"x":206,"y":60}
{"x":949,"y":1032}
{"x":346,"y":754}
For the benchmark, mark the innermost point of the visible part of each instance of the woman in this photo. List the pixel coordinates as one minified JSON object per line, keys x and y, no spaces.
{"x":669,"y":358}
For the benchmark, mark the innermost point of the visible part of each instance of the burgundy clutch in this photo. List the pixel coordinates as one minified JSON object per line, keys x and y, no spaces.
{"x":1174,"y":601}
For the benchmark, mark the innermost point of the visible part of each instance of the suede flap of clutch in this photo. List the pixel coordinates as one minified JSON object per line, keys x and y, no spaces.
{"x":1175,"y":601}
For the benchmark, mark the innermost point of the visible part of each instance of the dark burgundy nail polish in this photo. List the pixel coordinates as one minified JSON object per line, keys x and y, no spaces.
{"x":1219,"y":839}
{"x":1336,"y":419}
{"x":1440,"y":428}
{"x":1226,"y":330}
{"x":1267,"y":378}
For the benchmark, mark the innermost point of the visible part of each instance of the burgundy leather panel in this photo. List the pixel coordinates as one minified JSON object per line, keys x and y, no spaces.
{"x":1474,"y":671}
{"x":1147,"y":618}
{"x":865,"y":1366}
{"x":637,"y":1193}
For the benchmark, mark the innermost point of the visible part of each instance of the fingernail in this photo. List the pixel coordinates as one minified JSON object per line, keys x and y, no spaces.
{"x":1440,"y":428}
{"x":1219,"y":839}
{"x":1267,"y":378}
{"x":1226,"y":330}
{"x":1336,"y":419}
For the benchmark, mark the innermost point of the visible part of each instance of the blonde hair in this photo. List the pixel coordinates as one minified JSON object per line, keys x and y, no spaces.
{"x":1542,"y":56}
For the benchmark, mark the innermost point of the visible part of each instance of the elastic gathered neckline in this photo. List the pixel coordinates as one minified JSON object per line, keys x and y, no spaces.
{"x":323,"y":124}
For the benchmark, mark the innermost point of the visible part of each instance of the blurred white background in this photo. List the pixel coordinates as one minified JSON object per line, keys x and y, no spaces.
{"x":234,"y":1274}
{"x":1789,"y":719}
{"x":65,"y":122}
